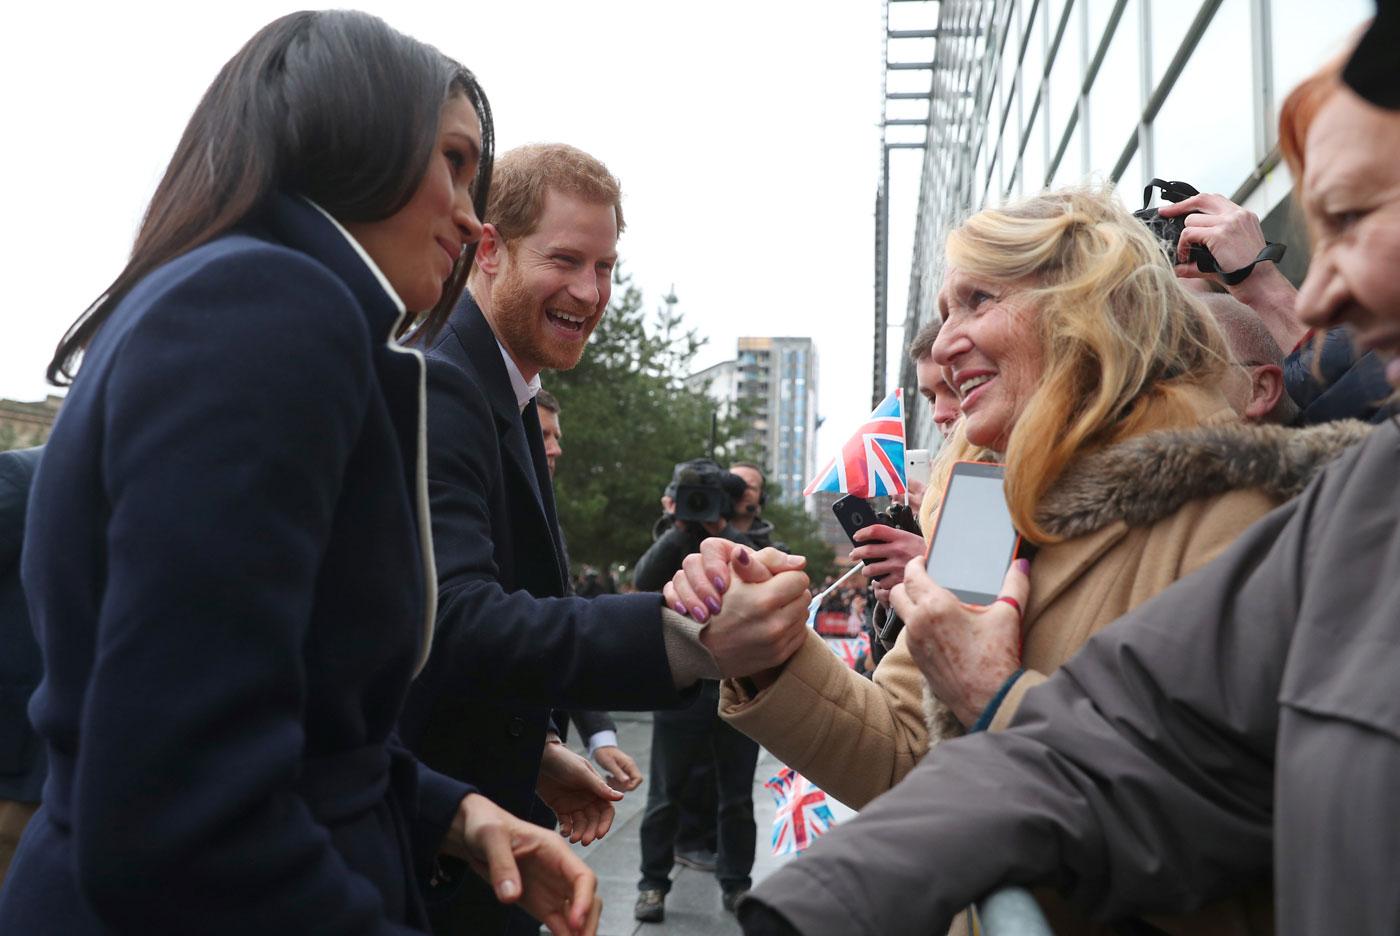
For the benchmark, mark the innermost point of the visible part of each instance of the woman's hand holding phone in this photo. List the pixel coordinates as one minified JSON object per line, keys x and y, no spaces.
{"x":966,"y":652}
{"x":886,"y":550}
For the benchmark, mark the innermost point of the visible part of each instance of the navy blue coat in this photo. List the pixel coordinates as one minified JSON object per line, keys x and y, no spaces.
{"x":21,"y":754}
{"x":508,"y":646}
{"x":224,"y":567}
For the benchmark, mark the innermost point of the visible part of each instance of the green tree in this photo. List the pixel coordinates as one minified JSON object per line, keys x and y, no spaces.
{"x":627,"y":419}
{"x":800,"y":533}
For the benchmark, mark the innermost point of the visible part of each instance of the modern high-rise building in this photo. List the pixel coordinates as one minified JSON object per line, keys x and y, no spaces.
{"x":774,"y":380}
{"x":1028,"y":94}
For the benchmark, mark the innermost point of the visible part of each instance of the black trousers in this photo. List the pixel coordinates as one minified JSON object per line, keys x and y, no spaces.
{"x":679,"y":741}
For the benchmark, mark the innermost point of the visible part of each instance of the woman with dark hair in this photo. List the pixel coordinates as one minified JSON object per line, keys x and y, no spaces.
{"x":228,"y":563}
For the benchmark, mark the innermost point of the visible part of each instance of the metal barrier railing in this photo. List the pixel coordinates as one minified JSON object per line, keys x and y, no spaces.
{"x":1011,"y":911}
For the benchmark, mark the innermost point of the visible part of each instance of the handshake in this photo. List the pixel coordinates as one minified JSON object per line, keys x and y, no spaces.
{"x":753,"y":603}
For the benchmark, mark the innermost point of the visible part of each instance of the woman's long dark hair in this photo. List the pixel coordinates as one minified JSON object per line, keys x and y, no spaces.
{"x":332,"y":105}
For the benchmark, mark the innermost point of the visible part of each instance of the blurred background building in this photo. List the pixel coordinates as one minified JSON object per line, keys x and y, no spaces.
{"x":23,"y":425}
{"x":1007,"y":97}
{"x":773,"y":383}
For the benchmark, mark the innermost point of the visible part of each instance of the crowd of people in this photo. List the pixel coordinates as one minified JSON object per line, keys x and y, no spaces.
{"x":307,"y":645}
{"x":1175,"y":717}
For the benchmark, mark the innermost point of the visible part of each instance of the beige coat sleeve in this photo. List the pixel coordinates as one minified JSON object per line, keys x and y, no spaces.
{"x":853,"y":737}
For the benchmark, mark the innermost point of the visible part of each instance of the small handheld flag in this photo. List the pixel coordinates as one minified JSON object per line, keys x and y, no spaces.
{"x":803,"y":813}
{"x":871,"y":463}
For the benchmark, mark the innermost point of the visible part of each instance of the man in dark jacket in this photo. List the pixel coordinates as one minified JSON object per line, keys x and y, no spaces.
{"x":508,"y":645}
{"x":21,"y":755}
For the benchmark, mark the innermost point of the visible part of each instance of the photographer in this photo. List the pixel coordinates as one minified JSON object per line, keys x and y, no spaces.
{"x":702,"y":500}
{"x":1323,"y":372}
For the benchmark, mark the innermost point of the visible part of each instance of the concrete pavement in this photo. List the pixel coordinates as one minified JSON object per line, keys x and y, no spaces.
{"x":693,"y":906}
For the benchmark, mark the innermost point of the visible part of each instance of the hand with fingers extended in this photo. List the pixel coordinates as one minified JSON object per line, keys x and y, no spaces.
{"x":886,"y":550}
{"x":579,"y":797}
{"x":621,"y":770}
{"x":965,"y":652}
{"x":527,"y":863}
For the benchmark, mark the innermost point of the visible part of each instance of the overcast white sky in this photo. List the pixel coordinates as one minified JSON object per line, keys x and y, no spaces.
{"x":745,"y":135}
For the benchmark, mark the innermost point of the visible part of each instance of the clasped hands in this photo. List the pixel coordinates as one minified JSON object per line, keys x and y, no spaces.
{"x":966,"y":652}
{"x":753,"y":604}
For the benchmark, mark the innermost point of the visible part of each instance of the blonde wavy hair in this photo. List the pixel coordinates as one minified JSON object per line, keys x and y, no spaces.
{"x":1122,"y":342}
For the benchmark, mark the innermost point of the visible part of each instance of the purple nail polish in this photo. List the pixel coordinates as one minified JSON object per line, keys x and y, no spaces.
{"x":719,"y":587}
{"x":699,"y":614}
{"x":743,"y":557}
{"x":680,"y":608}
{"x":713,"y":604}
{"x":1023,"y":566}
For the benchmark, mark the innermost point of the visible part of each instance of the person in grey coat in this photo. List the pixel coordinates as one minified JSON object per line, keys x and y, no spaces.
{"x":1243,"y":725}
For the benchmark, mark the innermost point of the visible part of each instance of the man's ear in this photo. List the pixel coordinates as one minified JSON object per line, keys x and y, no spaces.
{"x":1265,"y":391}
{"x":490,"y":250}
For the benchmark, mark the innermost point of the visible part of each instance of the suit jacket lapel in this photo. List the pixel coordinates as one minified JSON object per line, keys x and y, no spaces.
{"x":521,"y":445}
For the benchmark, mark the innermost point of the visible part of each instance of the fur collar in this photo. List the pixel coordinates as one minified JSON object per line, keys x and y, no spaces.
{"x":1149,"y":477}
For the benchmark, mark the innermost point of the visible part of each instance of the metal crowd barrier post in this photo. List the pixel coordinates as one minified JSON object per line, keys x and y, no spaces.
{"x":1012,"y":911}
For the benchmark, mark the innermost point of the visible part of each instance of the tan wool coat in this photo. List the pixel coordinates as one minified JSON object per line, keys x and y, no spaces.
{"x":1136,"y":517}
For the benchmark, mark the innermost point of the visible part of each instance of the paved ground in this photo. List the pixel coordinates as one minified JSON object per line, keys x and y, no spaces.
{"x":692,"y":907}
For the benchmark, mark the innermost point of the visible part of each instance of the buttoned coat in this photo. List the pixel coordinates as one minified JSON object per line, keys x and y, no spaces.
{"x":224,"y":563}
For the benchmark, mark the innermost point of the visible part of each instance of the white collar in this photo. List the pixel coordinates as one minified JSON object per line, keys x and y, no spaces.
{"x":524,"y":392}
{"x":373,"y":267}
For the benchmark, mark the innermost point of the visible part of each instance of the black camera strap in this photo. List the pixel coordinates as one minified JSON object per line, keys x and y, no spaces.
{"x":1180,"y":191}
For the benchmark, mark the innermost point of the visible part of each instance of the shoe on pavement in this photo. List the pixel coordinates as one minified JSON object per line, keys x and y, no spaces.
{"x":697,"y":859}
{"x":651,"y":905}
{"x":731,"y":898}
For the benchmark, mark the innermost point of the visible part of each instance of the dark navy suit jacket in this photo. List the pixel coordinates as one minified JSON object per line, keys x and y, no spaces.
{"x":508,"y":645}
{"x":224,"y":567}
{"x":21,"y":754}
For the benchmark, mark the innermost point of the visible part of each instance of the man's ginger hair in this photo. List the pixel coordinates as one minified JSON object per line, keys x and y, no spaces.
{"x":521,"y":177}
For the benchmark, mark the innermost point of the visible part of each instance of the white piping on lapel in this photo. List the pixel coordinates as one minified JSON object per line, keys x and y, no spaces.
{"x":425,"y":519}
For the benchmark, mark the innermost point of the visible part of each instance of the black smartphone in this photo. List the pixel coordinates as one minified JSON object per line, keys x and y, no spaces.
{"x":974,"y":540}
{"x":854,"y":512}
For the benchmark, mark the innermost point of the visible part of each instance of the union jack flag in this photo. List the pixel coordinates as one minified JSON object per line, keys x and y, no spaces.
{"x":871,"y":462}
{"x":848,"y":650}
{"x":803,"y":813}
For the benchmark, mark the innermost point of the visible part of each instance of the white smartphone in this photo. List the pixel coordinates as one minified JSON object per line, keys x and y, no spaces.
{"x":916,"y":465}
{"x":974,"y":540}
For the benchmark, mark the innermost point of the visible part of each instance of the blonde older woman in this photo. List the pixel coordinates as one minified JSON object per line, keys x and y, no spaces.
{"x":1079,"y":358}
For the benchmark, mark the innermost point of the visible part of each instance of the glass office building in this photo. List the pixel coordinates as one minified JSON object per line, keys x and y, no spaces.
{"x":1029,"y":94}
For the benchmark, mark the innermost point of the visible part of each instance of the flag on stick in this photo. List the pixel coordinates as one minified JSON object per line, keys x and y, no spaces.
{"x":803,"y":813}
{"x":871,"y":463}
